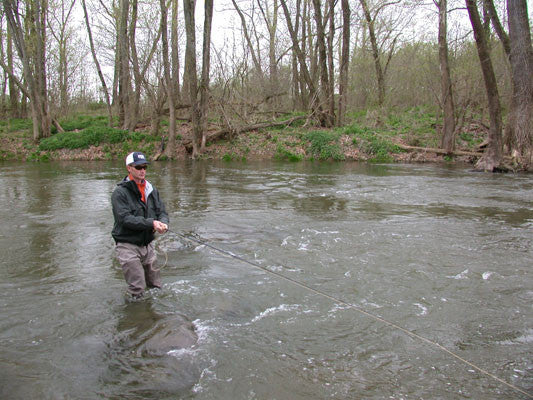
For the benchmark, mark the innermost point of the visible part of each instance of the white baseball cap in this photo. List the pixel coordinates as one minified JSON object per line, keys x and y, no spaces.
{"x":136,"y":158}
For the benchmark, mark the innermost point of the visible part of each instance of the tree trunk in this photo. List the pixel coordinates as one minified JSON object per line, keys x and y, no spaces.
{"x":174,"y":37}
{"x":448,"y":129}
{"x":375,"y":52}
{"x":171,"y":146}
{"x":124,"y":81}
{"x":62,"y":38}
{"x":316,"y":107}
{"x":271,"y":20}
{"x":190,"y":71}
{"x":206,"y":63}
{"x":13,"y":92}
{"x":344,"y":62}
{"x":246,"y":34}
{"x":521,"y":56}
{"x":33,"y":60}
{"x":492,"y":157}
{"x":97,"y":64}
{"x":327,"y":118}
{"x":272,"y":45}
{"x":135,"y":92}
{"x":331,"y":62}
{"x":296,"y":93}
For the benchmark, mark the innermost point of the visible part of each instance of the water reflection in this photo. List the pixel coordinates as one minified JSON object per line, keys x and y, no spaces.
{"x":316,"y":206}
{"x":416,"y":244}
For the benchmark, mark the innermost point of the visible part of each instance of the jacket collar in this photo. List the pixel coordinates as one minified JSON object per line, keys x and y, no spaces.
{"x":148,"y":189}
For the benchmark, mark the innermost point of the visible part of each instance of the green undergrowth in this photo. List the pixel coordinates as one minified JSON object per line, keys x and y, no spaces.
{"x":286,"y":154}
{"x":80,"y":122}
{"x":374,"y":143}
{"x":369,"y":135}
{"x":83,"y":131}
{"x":91,"y":136}
{"x":324,"y":145}
{"x":15,"y":125}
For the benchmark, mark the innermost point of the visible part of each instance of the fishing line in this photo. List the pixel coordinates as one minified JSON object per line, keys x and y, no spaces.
{"x":353,"y":306}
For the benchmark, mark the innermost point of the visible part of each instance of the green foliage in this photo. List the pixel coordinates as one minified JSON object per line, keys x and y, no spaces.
{"x":81,"y":122}
{"x":324,"y":146}
{"x":15,"y":124}
{"x":228,"y":157}
{"x":371,"y":143}
{"x":470,"y":139}
{"x":282,"y":153}
{"x":37,"y":156}
{"x":92,"y":136}
{"x":357,"y":130}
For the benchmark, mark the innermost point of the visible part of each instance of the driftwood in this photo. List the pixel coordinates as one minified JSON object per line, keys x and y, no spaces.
{"x":439,"y":151}
{"x":58,"y":126}
{"x":503,"y":167}
{"x":235,"y":131}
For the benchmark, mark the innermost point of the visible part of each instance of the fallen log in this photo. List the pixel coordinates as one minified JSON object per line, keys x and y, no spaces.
{"x":211,"y":136}
{"x":439,"y":151}
{"x":503,"y":167}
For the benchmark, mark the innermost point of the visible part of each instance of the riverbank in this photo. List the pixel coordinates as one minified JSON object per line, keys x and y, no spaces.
{"x":406,"y":137}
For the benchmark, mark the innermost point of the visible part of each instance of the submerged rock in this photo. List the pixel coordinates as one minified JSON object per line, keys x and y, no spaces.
{"x":167,"y":335}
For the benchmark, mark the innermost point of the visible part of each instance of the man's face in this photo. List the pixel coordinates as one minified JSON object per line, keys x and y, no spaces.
{"x":138,"y":172}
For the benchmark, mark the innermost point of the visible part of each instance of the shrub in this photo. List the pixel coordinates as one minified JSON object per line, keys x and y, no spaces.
{"x":81,"y":140}
{"x":282,"y":153}
{"x":228,"y":157}
{"x":324,"y":146}
{"x":81,"y":122}
{"x":16,"y":124}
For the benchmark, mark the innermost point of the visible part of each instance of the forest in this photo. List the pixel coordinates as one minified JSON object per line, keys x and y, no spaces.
{"x":190,"y":73}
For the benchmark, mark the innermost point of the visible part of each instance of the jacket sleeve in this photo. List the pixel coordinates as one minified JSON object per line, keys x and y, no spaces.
{"x":124,"y":214}
{"x":161,"y":210}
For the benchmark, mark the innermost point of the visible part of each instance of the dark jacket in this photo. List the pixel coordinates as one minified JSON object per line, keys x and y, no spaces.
{"x":134,"y":219}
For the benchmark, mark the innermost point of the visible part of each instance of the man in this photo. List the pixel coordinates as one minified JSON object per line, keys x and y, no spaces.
{"x":138,"y":212}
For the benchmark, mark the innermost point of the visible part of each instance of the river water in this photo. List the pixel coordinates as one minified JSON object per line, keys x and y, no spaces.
{"x":442,"y":252}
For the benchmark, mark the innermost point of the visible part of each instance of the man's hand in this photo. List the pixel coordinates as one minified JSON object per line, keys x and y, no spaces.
{"x":160,"y":227}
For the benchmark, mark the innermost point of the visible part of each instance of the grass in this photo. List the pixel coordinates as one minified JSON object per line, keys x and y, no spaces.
{"x":370,"y":135}
{"x":15,"y":125}
{"x":91,"y":136}
{"x":323,"y":145}
{"x":372,"y":142}
{"x":80,"y":122}
{"x":285,"y":154}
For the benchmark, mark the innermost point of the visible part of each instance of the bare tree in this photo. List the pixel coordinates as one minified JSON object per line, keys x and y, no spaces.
{"x":519,"y":135}
{"x":448,"y":129}
{"x":190,"y":72}
{"x":31,"y":31}
{"x":168,"y":83}
{"x":63,"y":36}
{"x":326,"y":97}
{"x":14,"y":107}
{"x":380,"y":54}
{"x":174,"y":40}
{"x":3,"y":94}
{"x":493,"y":155}
{"x":344,"y":62}
{"x":122,"y":63}
{"x":97,"y":64}
{"x":316,"y":106}
{"x":270,"y":15}
{"x":251,"y":47}
{"x":206,"y":63}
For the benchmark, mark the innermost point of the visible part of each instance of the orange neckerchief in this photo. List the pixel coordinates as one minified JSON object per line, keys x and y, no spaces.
{"x":141,"y":187}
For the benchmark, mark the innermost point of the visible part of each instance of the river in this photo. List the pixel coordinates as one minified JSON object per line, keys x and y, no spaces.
{"x":408,"y":282}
